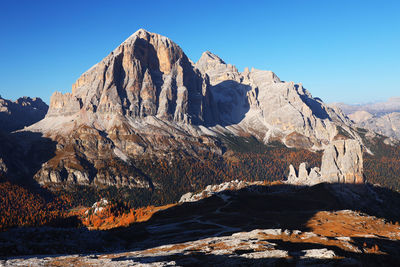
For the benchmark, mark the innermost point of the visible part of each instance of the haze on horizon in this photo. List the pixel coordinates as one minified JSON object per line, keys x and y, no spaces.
{"x":342,"y":51}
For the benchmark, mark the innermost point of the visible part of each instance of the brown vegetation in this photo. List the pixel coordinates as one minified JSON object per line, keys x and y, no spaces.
{"x":22,"y":207}
{"x":115,"y":215}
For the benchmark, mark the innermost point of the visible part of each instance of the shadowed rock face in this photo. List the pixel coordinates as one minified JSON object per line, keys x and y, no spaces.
{"x":342,"y":162}
{"x":15,"y":115}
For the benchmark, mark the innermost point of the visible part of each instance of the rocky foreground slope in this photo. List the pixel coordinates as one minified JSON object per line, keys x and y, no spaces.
{"x":146,"y":99}
{"x":278,"y":224}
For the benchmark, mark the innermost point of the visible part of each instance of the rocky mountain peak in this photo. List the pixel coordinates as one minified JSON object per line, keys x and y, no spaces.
{"x":147,"y":75}
{"x":209,"y":61}
{"x":149,"y":47}
{"x":216,"y":68}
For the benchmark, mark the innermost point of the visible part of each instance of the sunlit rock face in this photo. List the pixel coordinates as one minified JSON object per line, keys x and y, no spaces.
{"x":342,"y":162}
{"x":147,"y":75}
{"x":388,"y":124}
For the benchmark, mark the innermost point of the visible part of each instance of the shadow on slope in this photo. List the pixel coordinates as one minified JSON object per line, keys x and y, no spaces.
{"x":24,"y":153}
{"x":21,"y":113}
{"x":315,"y":104}
{"x":230,"y":103}
{"x":278,"y":206}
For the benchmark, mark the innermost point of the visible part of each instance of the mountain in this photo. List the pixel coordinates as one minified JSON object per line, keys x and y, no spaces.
{"x":15,"y":115}
{"x":388,"y":124}
{"x":381,"y":117}
{"x":146,"y":99}
{"x":258,"y":103}
{"x":378,"y":108}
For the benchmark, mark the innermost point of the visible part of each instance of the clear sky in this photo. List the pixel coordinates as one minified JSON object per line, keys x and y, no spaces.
{"x":341,"y":50}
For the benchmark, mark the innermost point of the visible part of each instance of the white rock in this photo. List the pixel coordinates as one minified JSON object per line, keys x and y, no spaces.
{"x":322,"y":253}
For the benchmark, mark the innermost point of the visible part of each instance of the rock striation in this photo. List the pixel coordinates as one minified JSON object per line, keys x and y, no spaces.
{"x":342,"y":162}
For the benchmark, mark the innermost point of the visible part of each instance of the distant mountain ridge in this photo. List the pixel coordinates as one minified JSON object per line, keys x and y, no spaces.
{"x":377,"y":109}
{"x":25,"y":111}
{"x":381,"y":117}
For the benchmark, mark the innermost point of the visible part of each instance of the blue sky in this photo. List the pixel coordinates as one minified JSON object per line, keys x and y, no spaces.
{"x":344,"y":51}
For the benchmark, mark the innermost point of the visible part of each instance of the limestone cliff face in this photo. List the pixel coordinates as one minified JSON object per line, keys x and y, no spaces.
{"x":147,"y":75}
{"x":148,"y":81}
{"x":342,"y":162}
{"x":63,"y":105}
{"x":388,"y":124}
{"x":258,"y":102}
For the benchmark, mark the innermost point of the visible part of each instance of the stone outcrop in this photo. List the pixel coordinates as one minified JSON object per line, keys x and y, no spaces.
{"x":217,"y":189}
{"x":63,"y":105}
{"x":15,"y":115}
{"x":3,"y":168}
{"x":342,"y":162}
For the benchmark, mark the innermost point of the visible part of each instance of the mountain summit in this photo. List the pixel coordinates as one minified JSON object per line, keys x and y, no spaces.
{"x":147,"y":75}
